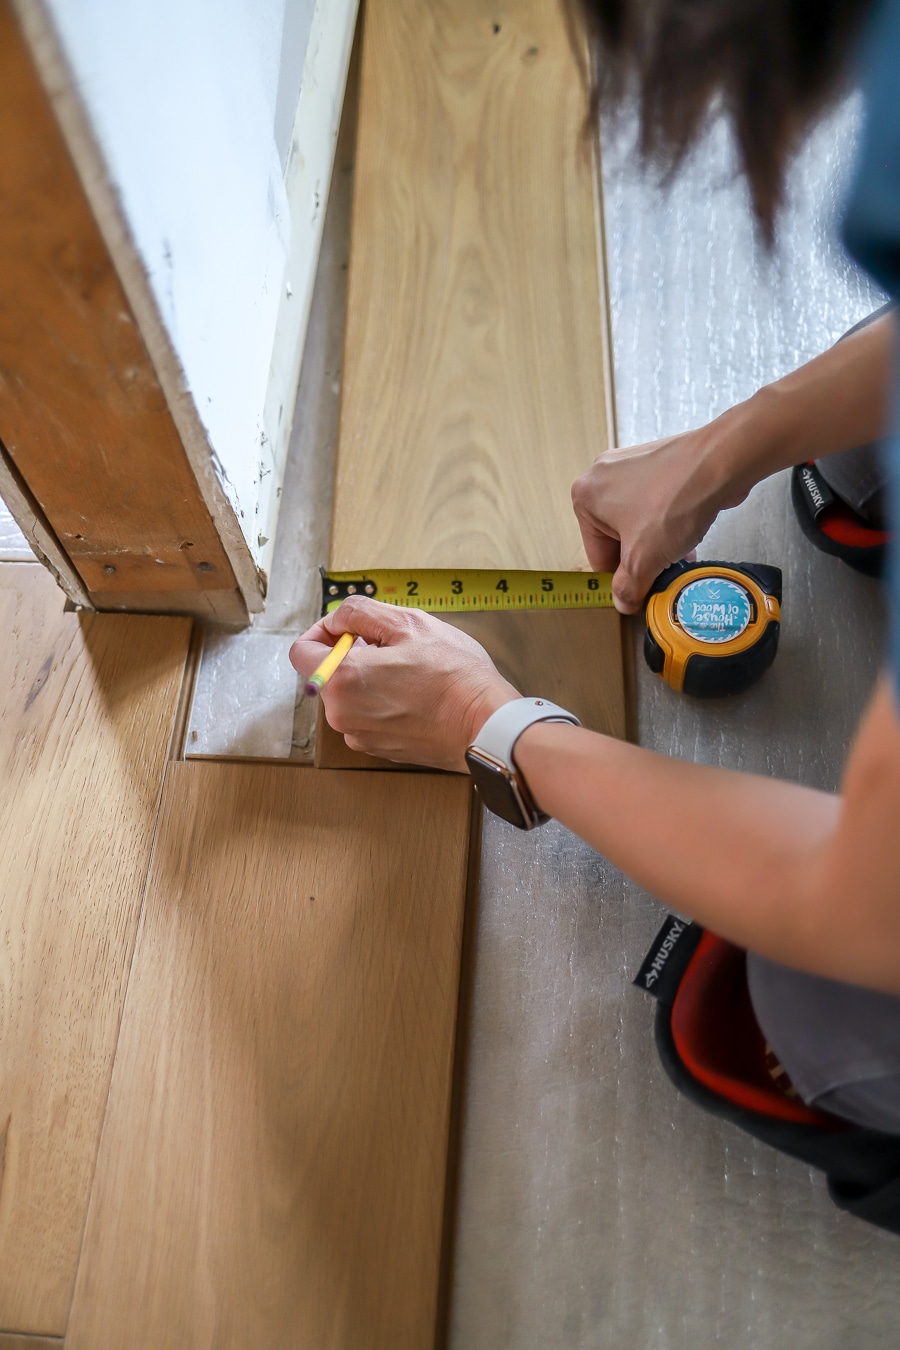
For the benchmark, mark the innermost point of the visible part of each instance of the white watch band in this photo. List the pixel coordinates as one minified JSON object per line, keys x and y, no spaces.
{"x":503,"y":728}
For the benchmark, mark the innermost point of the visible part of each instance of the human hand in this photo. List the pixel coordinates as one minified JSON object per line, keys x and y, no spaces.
{"x":414,"y":689}
{"x":642,"y":508}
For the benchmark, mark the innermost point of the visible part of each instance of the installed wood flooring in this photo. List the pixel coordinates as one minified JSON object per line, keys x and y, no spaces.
{"x":86,"y":717}
{"x":269,"y":1055}
{"x":274,"y":1159}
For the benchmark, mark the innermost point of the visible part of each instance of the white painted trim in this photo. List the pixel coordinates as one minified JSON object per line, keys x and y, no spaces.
{"x":307,"y":183}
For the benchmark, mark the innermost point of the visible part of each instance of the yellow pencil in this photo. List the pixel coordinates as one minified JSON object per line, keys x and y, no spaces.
{"x":318,"y":680}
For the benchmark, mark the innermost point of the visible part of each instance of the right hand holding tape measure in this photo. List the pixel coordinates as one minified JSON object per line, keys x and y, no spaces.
{"x":712,"y":627}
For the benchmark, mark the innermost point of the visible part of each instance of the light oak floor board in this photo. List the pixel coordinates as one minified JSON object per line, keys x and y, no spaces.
{"x":10,"y":1340}
{"x":476,"y":362}
{"x":273,"y":1162}
{"x":86,"y":715}
{"x":572,"y":657}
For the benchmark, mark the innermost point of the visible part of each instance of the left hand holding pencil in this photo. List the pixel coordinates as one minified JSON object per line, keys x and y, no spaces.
{"x":413,"y":689}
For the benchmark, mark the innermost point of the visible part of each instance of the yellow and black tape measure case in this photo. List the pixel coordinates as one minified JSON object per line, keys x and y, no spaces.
{"x":712,"y":627}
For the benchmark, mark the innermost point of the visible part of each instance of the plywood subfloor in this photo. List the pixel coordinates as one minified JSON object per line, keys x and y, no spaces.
{"x":476,"y":369}
{"x":273,"y":1165}
{"x":86,"y":715}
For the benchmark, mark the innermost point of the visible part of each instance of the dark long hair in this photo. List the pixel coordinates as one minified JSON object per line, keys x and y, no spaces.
{"x":772,"y":67}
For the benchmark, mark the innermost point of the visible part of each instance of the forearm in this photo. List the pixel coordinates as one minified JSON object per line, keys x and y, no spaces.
{"x":804,"y":878}
{"x":721,"y":846}
{"x":834,"y":402}
{"x":800,"y":876}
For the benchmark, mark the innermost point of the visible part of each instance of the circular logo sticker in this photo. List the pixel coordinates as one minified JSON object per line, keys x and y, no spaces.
{"x":713,"y":609}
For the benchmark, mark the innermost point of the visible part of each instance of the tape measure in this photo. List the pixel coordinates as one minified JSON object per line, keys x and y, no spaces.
{"x":468,"y":591}
{"x":712,"y":627}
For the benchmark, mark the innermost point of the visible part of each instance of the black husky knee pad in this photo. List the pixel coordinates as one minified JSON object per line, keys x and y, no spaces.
{"x":713,"y":1050}
{"x":833,"y":526}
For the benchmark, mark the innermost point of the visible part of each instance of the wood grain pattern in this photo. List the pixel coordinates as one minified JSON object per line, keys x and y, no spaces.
{"x":9,"y":1340}
{"x":476,"y":363}
{"x":85,"y":719}
{"x":573,"y":657}
{"x":82,"y":413}
{"x":273,"y":1161}
{"x":476,"y":369}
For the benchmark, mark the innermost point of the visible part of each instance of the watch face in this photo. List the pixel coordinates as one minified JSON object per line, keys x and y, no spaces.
{"x":497,"y":789}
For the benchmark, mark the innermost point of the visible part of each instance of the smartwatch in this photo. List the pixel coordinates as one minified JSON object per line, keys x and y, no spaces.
{"x":490,"y":759}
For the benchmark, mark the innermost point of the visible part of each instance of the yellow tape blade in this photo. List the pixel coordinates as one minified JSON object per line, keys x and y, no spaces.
{"x":445,"y":591}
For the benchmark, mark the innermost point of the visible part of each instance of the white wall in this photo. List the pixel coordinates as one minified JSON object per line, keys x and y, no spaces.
{"x":192,"y":102}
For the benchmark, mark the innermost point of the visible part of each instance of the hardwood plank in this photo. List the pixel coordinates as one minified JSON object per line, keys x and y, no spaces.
{"x":85,"y":721}
{"x":476,"y":366}
{"x":476,"y":370}
{"x":273,"y":1162}
{"x":573,"y":657}
{"x":11,"y":1340}
{"x":83,"y":417}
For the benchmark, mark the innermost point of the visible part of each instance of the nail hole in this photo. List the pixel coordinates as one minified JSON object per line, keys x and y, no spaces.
{"x":108,"y":567}
{"x":205,"y":567}
{"x":496,"y":27}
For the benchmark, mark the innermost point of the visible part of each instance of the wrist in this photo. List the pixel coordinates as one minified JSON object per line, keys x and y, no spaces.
{"x":742,"y":446}
{"x":484,"y":705}
{"x":494,"y":763}
{"x":772,"y":432}
{"x":536,"y":757}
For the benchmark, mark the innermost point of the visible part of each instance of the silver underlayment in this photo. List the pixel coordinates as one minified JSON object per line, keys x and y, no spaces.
{"x":247,"y":700}
{"x":597,"y":1208}
{"x":13,"y":544}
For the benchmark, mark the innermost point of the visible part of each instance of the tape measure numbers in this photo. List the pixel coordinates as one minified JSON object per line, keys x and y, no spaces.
{"x":712,"y":628}
{"x":467,"y":591}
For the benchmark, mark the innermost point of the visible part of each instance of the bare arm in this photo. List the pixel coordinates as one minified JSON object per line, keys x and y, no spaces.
{"x":647,"y":506}
{"x":803,"y":877}
{"x":806,"y":878}
{"x":836,"y":401}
